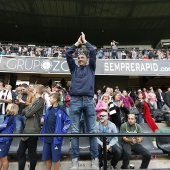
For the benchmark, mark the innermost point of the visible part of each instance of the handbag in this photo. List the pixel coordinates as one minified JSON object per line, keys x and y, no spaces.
{"x":133,"y":110}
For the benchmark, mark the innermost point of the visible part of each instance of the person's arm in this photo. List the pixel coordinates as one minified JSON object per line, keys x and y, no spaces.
{"x":30,"y":110}
{"x":165,"y":109}
{"x":70,"y":51}
{"x":66,"y":120}
{"x":114,"y":140}
{"x":98,"y":131}
{"x":4,"y":124}
{"x":99,"y":104}
{"x":92,"y":59}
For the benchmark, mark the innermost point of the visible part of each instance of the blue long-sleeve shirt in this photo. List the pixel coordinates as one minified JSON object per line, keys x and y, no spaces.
{"x":7,"y":127}
{"x":82,"y":77}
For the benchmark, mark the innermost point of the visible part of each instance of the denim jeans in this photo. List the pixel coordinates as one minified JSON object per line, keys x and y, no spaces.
{"x":68,"y":111}
{"x":20,"y":122}
{"x":138,"y":149}
{"x":85,"y":104}
{"x":2,"y":118}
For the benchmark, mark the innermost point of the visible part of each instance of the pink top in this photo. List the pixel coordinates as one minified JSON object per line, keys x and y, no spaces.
{"x":152,"y":97}
{"x":99,"y":105}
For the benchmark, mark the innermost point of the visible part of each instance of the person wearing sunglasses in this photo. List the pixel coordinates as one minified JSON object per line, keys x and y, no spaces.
{"x":112,"y":146}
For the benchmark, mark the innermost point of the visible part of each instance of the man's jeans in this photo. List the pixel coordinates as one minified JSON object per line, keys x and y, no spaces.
{"x":138,"y":149}
{"x":20,"y":122}
{"x":85,"y":104}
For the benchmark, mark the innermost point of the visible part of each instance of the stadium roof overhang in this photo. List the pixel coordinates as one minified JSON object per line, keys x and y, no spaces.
{"x":61,"y":21}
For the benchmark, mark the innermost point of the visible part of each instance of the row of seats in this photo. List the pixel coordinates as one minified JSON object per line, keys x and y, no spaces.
{"x":163,"y":144}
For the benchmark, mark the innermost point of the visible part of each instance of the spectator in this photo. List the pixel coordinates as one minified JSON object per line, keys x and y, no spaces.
{"x":102,"y":105}
{"x":67,"y":103}
{"x":114,"y":47}
{"x":98,"y":96}
{"x":47,"y":97}
{"x":152,"y":98}
{"x":112,"y":146}
{"x":7,"y":127}
{"x":127,"y":100}
{"x":165,"y":109}
{"x":33,"y":112}
{"x":160,"y":98}
{"x":5,"y":98}
{"x":139,"y":103}
{"x":14,"y":95}
{"x":61,"y":101}
{"x":133,"y":143}
{"x":100,"y":54}
{"x":82,"y":93}
{"x":117,"y":111}
{"x":24,"y":100}
{"x":55,"y":121}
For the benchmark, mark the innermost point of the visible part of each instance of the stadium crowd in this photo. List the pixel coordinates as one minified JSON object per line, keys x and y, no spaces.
{"x":45,"y":109}
{"x":108,"y":101}
{"x":102,"y":53}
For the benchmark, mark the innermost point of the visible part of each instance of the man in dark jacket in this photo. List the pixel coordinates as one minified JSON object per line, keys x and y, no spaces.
{"x":82,"y":93}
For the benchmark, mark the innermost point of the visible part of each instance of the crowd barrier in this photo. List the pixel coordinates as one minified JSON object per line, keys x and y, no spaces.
{"x":103,"y":135}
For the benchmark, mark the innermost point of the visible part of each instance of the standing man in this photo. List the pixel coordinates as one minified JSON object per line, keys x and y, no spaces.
{"x":24,"y":99}
{"x":82,"y":93}
{"x":5,"y":98}
{"x":33,"y":112}
{"x":160,"y":98}
{"x":130,"y":144}
{"x":114,"y":47}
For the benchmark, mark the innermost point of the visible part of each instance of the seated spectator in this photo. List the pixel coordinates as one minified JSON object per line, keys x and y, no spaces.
{"x":112,"y":146}
{"x":102,"y":105}
{"x":130,"y":144}
{"x":165,"y":109}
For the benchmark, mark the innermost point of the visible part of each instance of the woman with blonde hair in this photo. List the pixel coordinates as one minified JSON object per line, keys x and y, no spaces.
{"x":102,"y":104}
{"x":7,"y":127}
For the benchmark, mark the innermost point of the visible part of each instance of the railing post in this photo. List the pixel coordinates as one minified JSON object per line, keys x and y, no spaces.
{"x":104,"y":153}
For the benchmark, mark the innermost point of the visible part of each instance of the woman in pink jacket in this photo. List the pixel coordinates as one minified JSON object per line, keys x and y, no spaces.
{"x":102,"y":104}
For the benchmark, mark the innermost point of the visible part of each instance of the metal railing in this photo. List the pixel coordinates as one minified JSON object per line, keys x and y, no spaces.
{"x":103,"y":135}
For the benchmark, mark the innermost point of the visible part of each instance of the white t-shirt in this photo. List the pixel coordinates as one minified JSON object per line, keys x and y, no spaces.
{"x":47,"y":99}
{"x":4,"y":94}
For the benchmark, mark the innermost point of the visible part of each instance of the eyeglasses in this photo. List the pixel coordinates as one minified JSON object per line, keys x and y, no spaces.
{"x":103,"y":115}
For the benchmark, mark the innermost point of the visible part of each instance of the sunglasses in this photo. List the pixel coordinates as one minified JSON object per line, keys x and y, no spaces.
{"x":103,"y":115}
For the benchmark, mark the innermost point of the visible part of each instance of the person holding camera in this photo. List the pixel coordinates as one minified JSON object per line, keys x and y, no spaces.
{"x":114,"y":47}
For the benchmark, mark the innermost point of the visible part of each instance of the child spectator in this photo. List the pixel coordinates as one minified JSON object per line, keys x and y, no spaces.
{"x":55,"y":121}
{"x":7,"y":127}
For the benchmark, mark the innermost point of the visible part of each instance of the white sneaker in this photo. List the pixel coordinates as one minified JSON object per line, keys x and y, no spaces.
{"x":75,"y":164}
{"x":95,"y":164}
